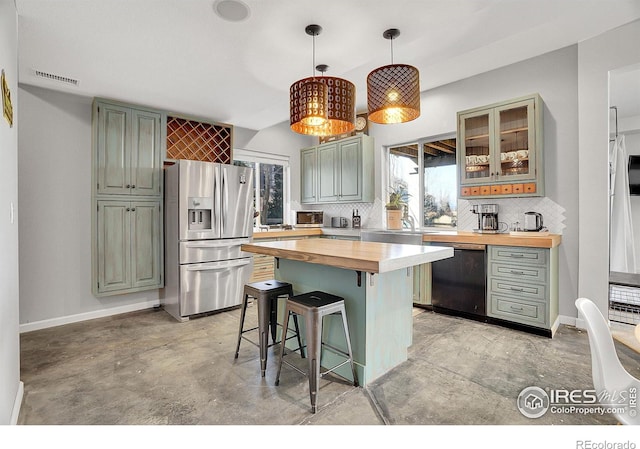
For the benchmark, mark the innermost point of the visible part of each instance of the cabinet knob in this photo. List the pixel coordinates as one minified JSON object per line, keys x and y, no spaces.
{"x":133,"y":209}
{"x":133,"y":186}
{"x":128,"y":186}
{"x":127,"y":209}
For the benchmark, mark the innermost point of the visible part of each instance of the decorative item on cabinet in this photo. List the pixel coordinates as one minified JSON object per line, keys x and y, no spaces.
{"x":500,"y":149}
{"x":362,"y":127}
{"x":199,"y":141}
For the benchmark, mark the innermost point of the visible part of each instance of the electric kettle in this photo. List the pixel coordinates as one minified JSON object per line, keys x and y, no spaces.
{"x":532,"y":221}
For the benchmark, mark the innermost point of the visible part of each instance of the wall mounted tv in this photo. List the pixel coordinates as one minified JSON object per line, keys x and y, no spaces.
{"x":634,"y":174}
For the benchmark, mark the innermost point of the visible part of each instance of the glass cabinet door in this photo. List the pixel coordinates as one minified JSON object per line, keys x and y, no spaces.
{"x":515,"y":141}
{"x":475,"y":147}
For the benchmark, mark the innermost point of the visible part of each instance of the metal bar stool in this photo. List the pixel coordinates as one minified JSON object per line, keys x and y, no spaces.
{"x":314,"y":306}
{"x":266,"y":294}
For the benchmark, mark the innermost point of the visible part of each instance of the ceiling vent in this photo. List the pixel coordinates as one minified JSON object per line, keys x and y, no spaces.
{"x":52,"y":77}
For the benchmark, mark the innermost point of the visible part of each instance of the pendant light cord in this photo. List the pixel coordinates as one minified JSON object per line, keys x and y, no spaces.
{"x":313,"y":60}
{"x":391,"y":44}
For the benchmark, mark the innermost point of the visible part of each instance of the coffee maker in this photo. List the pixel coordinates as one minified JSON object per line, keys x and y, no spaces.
{"x":487,"y":218}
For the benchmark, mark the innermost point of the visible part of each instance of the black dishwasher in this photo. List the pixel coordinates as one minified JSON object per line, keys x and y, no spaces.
{"x":458,"y":284}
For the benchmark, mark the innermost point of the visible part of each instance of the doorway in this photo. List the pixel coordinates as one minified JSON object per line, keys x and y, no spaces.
{"x":624,"y":201}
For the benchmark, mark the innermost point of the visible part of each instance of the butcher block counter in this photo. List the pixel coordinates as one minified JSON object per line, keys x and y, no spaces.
{"x":361,"y":256}
{"x":526,"y":239}
{"x":376,"y":282}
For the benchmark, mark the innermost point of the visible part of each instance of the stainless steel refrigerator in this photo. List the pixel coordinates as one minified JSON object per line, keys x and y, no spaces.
{"x":208,"y":215}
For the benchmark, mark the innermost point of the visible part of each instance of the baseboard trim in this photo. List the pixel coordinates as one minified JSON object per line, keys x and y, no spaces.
{"x":59,"y":321}
{"x":569,"y":320}
{"x":17,"y":404}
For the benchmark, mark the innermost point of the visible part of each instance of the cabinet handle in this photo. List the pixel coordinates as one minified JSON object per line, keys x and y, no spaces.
{"x":517,"y":272}
{"x":515,"y":289}
{"x":517,"y":308}
{"x":516,"y":255}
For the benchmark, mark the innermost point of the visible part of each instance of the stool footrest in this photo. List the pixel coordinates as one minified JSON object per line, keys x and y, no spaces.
{"x":335,"y":350}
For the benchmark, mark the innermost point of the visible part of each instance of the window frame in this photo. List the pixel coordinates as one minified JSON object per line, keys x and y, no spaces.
{"x":258,"y":157}
{"x":420,"y":142}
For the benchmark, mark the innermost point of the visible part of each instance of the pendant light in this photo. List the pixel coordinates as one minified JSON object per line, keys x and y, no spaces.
{"x":308,"y":98}
{"x":393,"y":91}
{"x":321,"y":106}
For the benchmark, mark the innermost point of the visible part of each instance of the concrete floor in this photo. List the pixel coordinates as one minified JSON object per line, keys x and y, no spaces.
{"x":146,"y":368}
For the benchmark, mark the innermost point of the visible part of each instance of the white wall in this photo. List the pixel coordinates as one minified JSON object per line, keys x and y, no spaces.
{"x":54,"y":169}
{"x":614,"y":49}
{"x":10,"y":385}
{"x":554,"y":76}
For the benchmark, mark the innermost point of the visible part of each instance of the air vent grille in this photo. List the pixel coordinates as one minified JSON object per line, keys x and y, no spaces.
{"x":52,"y":77}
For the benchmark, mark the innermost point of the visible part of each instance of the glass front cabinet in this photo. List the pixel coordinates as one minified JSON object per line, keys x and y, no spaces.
{"x":500,"y":149}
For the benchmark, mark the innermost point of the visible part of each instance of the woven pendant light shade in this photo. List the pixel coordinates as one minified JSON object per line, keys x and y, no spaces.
{"x":322,"y":106}
{"x":393,"y":94}
{"x":341,"y":112}
{"x":393,"y":91}
{"x":311,"y":97}
{"x":308,"y":105}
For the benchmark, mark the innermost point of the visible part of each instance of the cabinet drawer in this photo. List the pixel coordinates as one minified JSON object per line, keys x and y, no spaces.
{"x":518,"y":272}
{"x":519,"y":311}
{"x":523,"y":290}
{"x":516,"y":254}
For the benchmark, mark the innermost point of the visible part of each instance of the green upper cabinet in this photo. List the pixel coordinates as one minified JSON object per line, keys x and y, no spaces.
{"x":129,"y":151}
{"x":500,"y":149}
{"x":343,"y":171}
{"x":308,"y":173}
{"x":328,"y":187}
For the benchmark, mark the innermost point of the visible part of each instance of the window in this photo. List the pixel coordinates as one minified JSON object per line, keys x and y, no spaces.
{"x":433,"y":197}
{"x":271,"y":182}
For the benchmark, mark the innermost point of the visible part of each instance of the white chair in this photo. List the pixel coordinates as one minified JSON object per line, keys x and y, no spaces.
{"x":608,"y":373}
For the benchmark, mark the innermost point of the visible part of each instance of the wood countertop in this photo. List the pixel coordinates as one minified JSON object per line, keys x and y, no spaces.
{"x":532,"y":240}
{"x":371,"y":257}
{"x":310,"y":232}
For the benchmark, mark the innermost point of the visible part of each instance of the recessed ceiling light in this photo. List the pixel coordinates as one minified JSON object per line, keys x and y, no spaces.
{"x":231,"y":10}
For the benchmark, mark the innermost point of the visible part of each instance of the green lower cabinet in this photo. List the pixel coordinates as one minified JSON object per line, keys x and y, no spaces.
{"x":129,"y":247}
{"x":522,"y":285}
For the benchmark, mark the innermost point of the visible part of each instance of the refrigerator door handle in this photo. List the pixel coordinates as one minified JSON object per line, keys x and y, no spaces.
{"x":217,"y":244}
{"x":225,"y":200}
{"x":221,"y":267}
{"x":215,"y":205}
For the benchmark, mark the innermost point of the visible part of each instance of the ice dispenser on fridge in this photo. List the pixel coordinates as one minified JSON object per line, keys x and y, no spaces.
{"x":200,"y":213}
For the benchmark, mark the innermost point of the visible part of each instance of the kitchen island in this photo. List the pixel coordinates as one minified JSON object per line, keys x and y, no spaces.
{"x":376,"y":282}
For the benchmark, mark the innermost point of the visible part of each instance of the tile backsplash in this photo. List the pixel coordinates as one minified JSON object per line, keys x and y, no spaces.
{"x":510,"y":210}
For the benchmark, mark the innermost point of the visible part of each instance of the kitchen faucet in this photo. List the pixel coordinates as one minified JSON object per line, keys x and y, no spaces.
{"x":408,"y":218}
